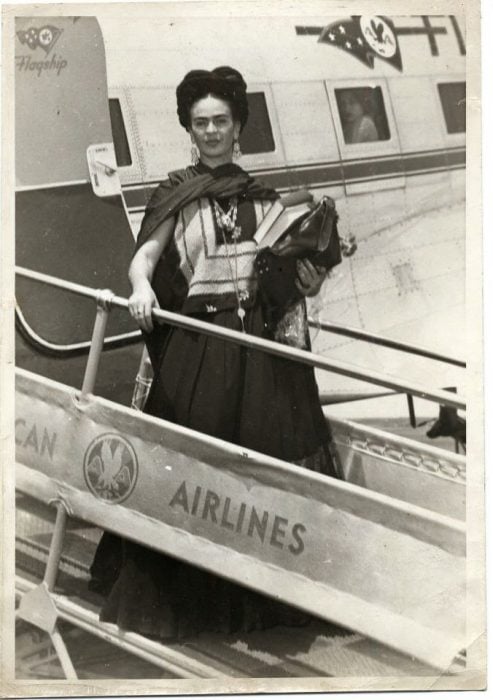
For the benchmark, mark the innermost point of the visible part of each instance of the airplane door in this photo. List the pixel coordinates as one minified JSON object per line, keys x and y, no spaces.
{"x":62,"y":228}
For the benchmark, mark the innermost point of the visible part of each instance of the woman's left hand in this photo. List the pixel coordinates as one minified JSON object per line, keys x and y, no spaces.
{"x":310,"y":277}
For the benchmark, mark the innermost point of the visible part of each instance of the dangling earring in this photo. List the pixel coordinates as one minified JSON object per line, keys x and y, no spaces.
{"x":194,"y":154}
{"x":236,"y":150}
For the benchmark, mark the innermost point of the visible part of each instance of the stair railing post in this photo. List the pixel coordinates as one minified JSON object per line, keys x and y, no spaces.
{"x":104,"y":302}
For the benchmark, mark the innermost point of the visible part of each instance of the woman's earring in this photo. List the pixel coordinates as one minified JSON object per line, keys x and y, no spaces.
{"x":236,"y":150}
{"x":194,"y":154}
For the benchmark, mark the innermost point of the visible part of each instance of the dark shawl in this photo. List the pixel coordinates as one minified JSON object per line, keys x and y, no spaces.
{"x":182,"y":187}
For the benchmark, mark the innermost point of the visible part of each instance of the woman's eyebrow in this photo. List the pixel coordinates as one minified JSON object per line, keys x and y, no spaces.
{"x":220,"y":115}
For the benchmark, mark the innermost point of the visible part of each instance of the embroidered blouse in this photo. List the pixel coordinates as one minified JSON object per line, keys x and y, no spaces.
{"x":202,"y":268}
{"x":215,"y":265}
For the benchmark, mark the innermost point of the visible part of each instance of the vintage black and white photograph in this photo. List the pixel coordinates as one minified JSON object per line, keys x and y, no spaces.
{"x":247,"y":325}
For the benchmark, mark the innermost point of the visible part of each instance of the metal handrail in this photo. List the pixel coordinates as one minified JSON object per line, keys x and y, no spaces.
{"x":376,"y":339}
{"x":71,"y":348}
{"x":107,"y":298}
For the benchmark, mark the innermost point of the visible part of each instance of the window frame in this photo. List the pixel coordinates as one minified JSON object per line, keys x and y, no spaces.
{"x":261,"y":153}
{"x":253,"y":161}
{"x":129,"y":173}
{"x":119,"y":101}
{"x":349,"y":151}
{"x":459,"y":138}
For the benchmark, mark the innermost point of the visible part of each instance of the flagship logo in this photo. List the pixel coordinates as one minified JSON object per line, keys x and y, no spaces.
{"x":110,"y":468}
{"x":25,"y":63}
{"x":45,"y":39}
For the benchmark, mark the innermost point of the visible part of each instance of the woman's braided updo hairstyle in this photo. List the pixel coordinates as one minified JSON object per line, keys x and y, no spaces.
{"x":224,"y":82}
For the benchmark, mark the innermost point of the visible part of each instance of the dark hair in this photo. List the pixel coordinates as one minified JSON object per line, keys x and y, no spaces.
{"x":224,"y":83}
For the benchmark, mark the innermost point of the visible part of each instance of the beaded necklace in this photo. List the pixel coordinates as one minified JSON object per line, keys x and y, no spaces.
{"x":226,"y":222}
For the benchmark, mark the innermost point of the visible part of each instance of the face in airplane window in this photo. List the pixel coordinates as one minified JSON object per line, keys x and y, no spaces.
{"x":357,"y":118}
{"x":352,"y":110}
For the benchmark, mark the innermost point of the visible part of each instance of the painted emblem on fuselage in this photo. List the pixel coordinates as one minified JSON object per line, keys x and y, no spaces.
{"x":110,"y":468}
{"x":379,"y":35}
{"x":44,"y":38}
{"x":365,"y":37}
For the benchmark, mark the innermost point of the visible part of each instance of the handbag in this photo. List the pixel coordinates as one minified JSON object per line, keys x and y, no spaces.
{"x":314,"y":233}
{"x":314,"y":237}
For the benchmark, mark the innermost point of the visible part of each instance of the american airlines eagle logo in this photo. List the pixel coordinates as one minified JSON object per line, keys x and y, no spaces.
{"x":110,"y":468}
{"x":379,"y":36}
{"x":44,"y":38}
{"x":365,"y":37}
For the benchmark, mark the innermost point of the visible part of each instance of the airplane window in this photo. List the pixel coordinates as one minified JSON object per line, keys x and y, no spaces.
{"x":362,"y":114}
{"x":257,"y":135}
{"x":122,"y":149}
{"x":453,"y":99}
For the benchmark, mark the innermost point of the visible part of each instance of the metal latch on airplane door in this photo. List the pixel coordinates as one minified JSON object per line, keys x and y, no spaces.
{"x":103,"y":170}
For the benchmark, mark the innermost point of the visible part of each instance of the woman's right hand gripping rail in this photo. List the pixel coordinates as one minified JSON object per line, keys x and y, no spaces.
{"x":143,"y":299}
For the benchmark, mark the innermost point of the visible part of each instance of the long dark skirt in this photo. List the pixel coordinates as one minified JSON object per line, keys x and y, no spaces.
{"x":251,"y":399}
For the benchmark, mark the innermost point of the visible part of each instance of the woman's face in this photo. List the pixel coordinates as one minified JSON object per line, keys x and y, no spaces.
{"x":351,"y":107}
{"x":213,"y":130}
